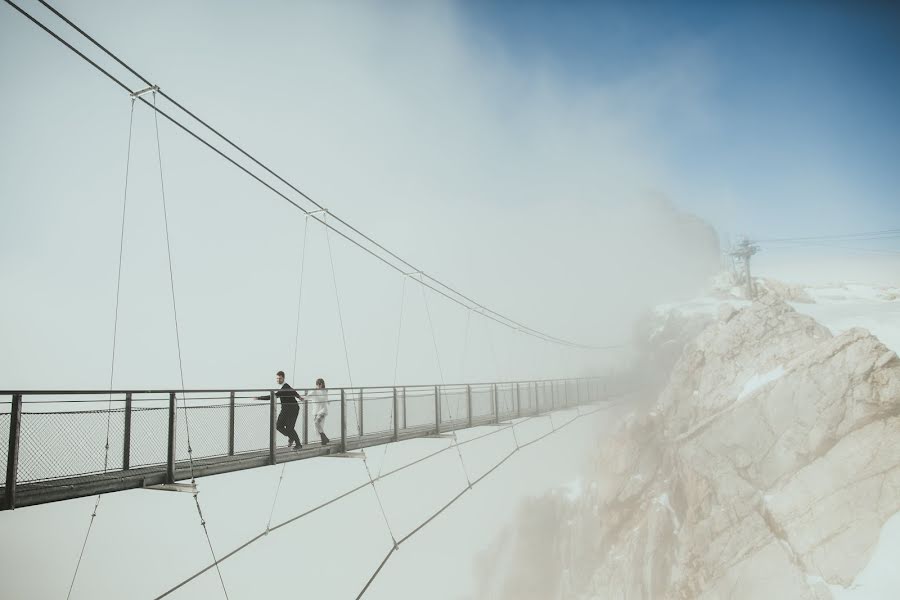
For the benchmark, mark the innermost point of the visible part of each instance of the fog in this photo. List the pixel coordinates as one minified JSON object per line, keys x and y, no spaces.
{"x":541,"y":198}
{"x":559,"y":201}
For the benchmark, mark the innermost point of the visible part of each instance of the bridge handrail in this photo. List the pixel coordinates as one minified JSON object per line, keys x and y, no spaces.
{"x":51,"y":392}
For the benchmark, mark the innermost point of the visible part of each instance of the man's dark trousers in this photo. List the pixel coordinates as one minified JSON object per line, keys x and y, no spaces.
{"x":287,"y":419}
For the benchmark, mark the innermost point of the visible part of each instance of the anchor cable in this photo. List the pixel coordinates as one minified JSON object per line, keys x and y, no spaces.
{"x":112,"y":366}
{"x":178,"y":345}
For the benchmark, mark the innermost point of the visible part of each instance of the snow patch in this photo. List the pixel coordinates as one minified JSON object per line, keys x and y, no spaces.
{"x":574,"y":490}
{"x":663,"y":500}
{"x":704,"y":305}
{"x":758,"y":381}
{"x":880,"y":579}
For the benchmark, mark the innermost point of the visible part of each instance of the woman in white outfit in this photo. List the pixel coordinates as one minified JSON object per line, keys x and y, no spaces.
{"x":319,"y":398}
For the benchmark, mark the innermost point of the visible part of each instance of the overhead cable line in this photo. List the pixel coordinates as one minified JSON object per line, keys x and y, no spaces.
{"x":837,"y":246}
{"x":867,"y":235}
{"x":404,"y":267}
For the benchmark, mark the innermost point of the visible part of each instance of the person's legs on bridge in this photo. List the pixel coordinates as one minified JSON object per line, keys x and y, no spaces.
{"x":320,"y":428}
{"x":287,"y":419}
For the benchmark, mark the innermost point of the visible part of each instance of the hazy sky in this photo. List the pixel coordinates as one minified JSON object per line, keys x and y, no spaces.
{"x":520,"y":152}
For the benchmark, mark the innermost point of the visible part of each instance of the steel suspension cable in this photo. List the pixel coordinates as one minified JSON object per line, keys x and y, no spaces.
{"x":112,"y":366}
{"x":450,"y":293}
{"x":453,"y":500}
{"x":178,"y":345}
{"x":329,"y":502}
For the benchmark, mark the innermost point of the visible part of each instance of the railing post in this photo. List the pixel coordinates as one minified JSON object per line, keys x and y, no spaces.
{"x":343,"y":421}
{"x":518,"y":403}
{"x":126,"y":443}
{"x":12,"y":458}
{"x":271,"y":428}
{"x":361,"y":412}
{"x":496,"y":411}
{"x":404,"y":408}
{"x":231,"y":424}
{"x":537,"y":398}
{"x":437,"y":410}
{"x":469,"y":403}
{"x":305,"y":418}
{"x":396,"y":418}
{"x":170,"y":449}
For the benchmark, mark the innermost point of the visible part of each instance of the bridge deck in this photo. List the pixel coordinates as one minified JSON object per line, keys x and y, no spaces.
{"x":53,"y":490}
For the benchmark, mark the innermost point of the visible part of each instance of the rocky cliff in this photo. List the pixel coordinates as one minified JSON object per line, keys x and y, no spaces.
{"x":766,"y":469}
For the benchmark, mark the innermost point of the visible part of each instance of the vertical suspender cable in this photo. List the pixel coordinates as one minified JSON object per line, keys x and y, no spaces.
{"x":300,"y":298}
{"x":396,"y":364}
{"x":178,"y":344}
{"x":294,"y":368}
{"x":437,"y":356}
{"x":465,"y":353}
{"x":350,"y":377}
{"x":112,"y":366}
{"x":337,"y":299}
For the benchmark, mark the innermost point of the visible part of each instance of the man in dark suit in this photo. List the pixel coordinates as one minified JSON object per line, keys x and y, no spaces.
{"x":290,"y":410}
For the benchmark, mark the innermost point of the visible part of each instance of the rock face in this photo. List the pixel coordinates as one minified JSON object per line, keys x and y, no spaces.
{"x":766,"y":470}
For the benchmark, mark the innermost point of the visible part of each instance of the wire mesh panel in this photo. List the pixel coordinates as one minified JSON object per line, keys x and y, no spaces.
{"x":70,"y":443}
{"x":453,"y":403}
{"x":149,"y":436}
{"x":526,"y":397}
{"x":419,"y":406}
{"x":208,"y":428}
{"x":544,"y":393}
{"x":482,"y":401}
{"x":251,"y":426}
{"x":506,"y":399}
{"x":378,"y":410}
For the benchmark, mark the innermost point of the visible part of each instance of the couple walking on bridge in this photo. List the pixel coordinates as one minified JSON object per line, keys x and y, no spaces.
{"x":290,"y":410}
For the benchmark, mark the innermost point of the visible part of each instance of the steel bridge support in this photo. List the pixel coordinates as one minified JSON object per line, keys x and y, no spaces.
{"x":170,"y":447}
{"x":12,"y":458}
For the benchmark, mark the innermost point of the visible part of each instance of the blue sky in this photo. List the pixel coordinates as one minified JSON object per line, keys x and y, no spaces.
{"x":799,"y":96}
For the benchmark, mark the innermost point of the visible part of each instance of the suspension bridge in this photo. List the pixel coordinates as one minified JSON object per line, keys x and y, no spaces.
{"x":58,"y":445}
{"x":68,"y":444}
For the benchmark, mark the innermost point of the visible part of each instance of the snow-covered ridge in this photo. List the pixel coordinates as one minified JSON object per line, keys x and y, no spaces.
{"x":769,"y":467}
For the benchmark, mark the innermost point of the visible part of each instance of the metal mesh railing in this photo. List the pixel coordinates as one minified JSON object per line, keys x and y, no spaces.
{"x":209,"y":431}
{"x":251,"y":427}
{"x":149,"y":434}
{"x":67,"y":444}
{"x":56,"y":444}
